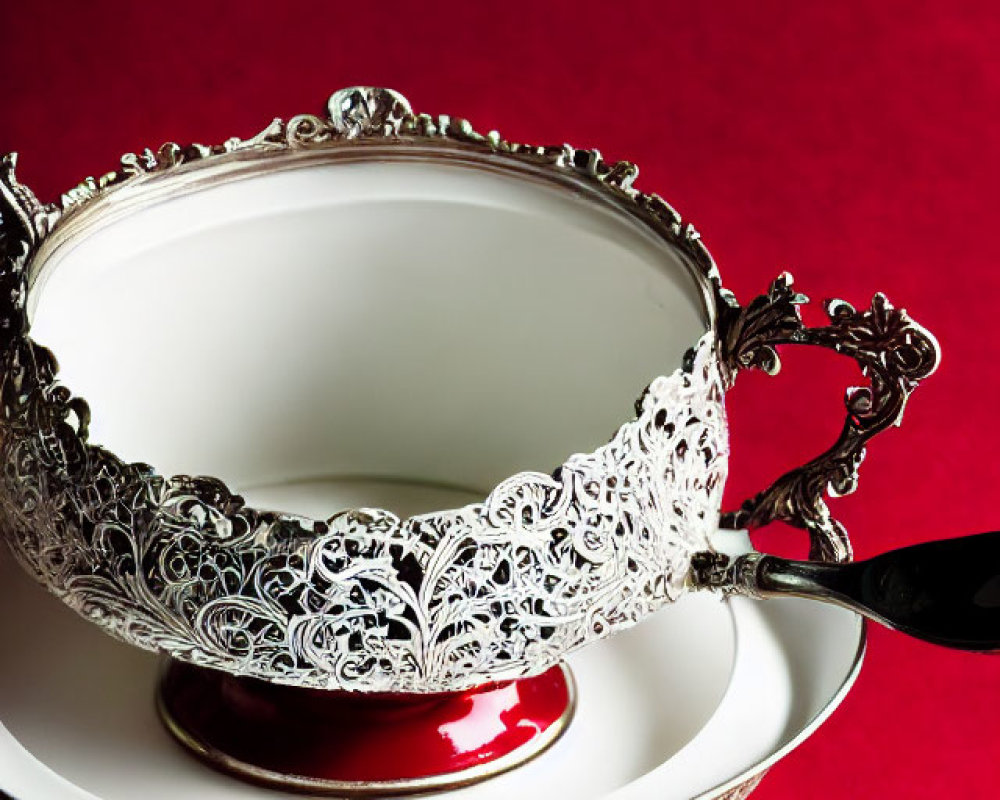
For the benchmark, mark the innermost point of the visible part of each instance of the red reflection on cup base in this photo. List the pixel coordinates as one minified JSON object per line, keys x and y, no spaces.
{"x":362,"y":743}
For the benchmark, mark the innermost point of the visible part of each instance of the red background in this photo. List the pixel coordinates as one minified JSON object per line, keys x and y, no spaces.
{"x":854,"y":143}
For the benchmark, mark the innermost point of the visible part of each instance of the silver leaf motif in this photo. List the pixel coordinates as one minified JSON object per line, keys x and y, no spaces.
{"x":364,"y":600}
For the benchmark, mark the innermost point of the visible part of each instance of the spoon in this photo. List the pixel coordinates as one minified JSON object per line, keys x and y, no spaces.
{"x":946,"y":592}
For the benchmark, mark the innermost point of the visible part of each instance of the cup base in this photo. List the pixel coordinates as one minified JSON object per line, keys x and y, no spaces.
{"x":353,"y":744}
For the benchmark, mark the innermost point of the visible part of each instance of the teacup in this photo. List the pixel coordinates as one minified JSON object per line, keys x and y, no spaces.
{"x":381,"y":294}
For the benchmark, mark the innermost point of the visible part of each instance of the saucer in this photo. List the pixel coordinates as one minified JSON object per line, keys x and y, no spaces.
{"x":696,"y":701}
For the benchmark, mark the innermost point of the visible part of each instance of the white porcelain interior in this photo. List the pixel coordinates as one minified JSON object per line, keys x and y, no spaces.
{"x":428,"y":320}
{"x":686,"y":703}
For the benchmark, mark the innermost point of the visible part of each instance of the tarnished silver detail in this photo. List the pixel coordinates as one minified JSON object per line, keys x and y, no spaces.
{"x":36,"y":219}
{"x":894,"y":353}
{"x":719,"y":572}
{"x":745,"y":789}
{"x":364,"y":111}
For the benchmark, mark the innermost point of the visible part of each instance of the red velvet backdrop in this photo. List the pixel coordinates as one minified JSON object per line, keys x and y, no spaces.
{"x":855,"y":143}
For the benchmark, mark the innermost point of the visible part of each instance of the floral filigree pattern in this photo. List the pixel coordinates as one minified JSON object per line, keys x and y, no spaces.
{"x":365,"y":600}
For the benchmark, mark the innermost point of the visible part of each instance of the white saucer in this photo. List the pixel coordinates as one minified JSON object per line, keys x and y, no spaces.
{"x":689,"y":704}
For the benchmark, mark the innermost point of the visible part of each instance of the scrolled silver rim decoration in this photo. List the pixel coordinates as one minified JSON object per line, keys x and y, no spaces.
{"x":363,"y":600}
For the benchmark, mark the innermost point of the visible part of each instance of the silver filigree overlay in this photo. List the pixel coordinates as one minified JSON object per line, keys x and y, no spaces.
{"x":364,"y":600}
{"x":444,"y":601}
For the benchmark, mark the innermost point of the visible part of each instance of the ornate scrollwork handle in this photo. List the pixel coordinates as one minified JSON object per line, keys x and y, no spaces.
{"x":894,"y":353}
{"x":21,"y":218}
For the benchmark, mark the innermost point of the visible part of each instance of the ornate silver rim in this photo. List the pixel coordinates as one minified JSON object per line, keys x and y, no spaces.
{"x":362,"y":123}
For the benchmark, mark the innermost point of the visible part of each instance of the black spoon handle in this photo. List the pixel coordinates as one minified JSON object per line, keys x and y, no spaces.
{"x":946,"y":592}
